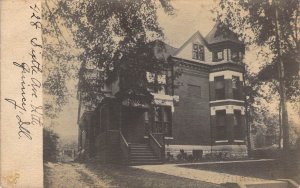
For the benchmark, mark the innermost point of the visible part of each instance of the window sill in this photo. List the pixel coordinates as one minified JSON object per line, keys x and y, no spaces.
{"x":221,"y":141}
{"x":239,"y":141}
{"x":169,"y":138}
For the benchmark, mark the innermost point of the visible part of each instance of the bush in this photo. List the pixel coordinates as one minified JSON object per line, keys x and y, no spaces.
{"x":50,"y":145}
{"x":190,"y":158}
{"x":182,"y":155}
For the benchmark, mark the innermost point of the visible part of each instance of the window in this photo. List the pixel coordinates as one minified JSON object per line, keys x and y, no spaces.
{"x":236,"y":55}
{"x":237,"y":125}
{"x":218,"y":56}
{"x":198,"y":52}
{"x":162,"y":120}
{"x":221,"y":125}
{"x":157,"y":82}
{"x":236,"y":88}
{"x":220,"y":87}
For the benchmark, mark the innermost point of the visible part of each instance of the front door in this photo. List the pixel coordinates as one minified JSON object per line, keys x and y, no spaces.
{"x":133,"y":125}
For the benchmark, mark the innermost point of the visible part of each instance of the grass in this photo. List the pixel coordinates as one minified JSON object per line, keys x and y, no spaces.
{"x":258,"y":169}
{"x":123,"y":176}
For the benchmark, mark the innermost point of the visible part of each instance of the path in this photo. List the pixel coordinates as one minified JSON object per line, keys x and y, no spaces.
{"x":201,"y":175}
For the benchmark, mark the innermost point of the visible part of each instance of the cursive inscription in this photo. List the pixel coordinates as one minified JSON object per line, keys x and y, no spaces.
{"x":28,"y":113}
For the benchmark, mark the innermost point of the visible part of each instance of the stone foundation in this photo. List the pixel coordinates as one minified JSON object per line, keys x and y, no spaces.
{"x":217,"y":151}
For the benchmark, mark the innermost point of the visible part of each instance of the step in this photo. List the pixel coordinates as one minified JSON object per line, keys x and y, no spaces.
{"x":141,"y":153}
{"x":143,"y":157}
{"x":140,"y":148}
{"x":145,"y":163}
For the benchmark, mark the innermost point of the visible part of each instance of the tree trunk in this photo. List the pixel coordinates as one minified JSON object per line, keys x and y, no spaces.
{"x":247,"y":114}
{"x":280,"y":126}
{"x":282,"y":90}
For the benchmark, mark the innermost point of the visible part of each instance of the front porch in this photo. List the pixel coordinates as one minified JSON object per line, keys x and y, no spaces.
{"x":126,"y":131}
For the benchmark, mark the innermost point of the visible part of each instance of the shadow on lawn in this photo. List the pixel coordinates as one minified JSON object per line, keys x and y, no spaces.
{"x":124,"y":176}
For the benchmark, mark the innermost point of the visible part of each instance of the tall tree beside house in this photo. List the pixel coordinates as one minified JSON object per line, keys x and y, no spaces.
{"x":273,"y":24}
{"x":110,"y":38}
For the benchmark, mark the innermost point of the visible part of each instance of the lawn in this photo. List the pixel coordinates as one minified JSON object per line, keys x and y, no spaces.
{"x":258,"y":169}
{"x":123,"y":176}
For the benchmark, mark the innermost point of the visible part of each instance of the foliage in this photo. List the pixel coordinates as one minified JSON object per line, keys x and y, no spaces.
{"x":50,"y":145}
{"x":272,"y":24}
{"x":255,"y":20}
{"x":98,"y":40}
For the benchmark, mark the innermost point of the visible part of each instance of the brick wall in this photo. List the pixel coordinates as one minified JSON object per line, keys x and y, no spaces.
{"x":191,"y":117}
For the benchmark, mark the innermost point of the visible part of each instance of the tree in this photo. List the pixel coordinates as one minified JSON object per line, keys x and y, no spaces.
{"x":273,"y":24}
{"x":110,"y":38}
{"x":50,"y":145}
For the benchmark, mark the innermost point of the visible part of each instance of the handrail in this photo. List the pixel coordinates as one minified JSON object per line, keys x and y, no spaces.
{"x":158,"y":148}
{"x":124,"y":140}
{"x":125,"y":148}
{"x":155,"y":140}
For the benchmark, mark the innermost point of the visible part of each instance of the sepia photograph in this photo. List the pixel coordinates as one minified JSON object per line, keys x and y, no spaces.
{"x":170,"y":93}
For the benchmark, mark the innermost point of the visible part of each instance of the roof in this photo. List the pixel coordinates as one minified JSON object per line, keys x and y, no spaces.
{"x":196,"y":34}
{"x":163,"y":49}
{"x":221,"y":33}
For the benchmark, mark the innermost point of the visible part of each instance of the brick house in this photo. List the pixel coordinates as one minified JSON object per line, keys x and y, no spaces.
{"x":202,"y":109}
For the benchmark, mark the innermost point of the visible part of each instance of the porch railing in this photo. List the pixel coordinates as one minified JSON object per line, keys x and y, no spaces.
{"x":156,"y":142}
{"x":125,"y":148}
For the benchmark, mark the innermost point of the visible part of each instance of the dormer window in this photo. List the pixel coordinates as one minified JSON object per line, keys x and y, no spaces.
{"x":218,"y":56}
{"x":198,"y":52}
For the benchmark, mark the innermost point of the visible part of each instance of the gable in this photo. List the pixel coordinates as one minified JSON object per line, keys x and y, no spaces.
{"x":186,"y":50}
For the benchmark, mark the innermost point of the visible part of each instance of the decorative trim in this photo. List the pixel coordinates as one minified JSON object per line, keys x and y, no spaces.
{"x":227,"y":75}
{"x":191,"y":63}
{"x":229,"y":109}
{"x":226,"y":100}
{"x":165,"y":100}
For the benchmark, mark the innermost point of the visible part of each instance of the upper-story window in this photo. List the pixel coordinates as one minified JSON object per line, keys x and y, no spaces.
{"x":157,"y":82}
{"x":198,"y":52}
{"x":236,"y":87}
{"x":236,"y":55}
{"x":218,"y":56}
{"x":219,"y":87}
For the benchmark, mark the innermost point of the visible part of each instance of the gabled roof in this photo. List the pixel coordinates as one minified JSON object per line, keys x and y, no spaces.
{"x":197,"y":34}
{"x":221,"y":33}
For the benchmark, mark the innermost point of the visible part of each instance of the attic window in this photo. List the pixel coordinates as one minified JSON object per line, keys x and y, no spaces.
{"x":198,"y":52}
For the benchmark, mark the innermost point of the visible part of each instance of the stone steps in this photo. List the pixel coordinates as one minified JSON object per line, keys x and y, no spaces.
{"x":142,"y":154}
